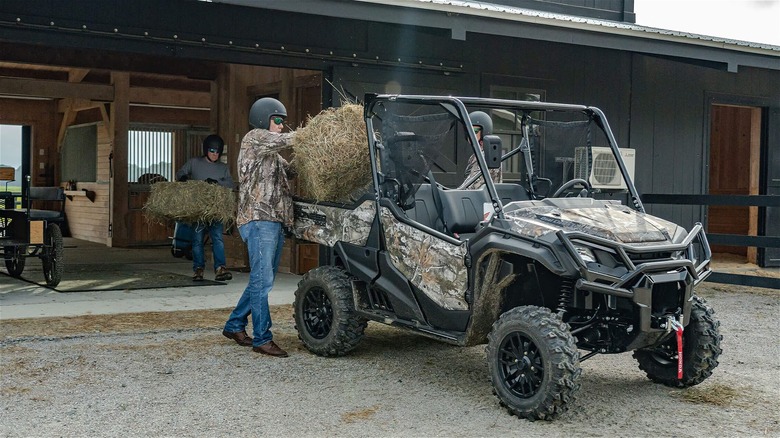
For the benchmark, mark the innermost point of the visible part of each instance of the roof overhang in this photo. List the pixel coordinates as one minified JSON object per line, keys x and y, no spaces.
{"x":464,"y":17}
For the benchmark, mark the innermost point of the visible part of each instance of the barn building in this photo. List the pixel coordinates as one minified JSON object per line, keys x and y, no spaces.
{"x":113,"y":95}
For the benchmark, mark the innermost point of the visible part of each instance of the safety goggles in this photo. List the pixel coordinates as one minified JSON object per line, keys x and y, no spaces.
{"x":277,"y":120}
{"x":477,"y":129}
{"x":213,"y":150}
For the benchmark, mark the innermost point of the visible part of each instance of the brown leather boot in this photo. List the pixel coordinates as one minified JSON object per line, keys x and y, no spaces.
{"x":198,"y":275}
{"x":271,"y":349}
{"x":222,"y":274}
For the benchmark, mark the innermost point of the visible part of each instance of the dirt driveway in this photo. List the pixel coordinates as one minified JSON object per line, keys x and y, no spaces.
{"x":173,"y":374}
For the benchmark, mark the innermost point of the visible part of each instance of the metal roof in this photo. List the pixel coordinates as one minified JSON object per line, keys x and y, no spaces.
{"x":556,"y":19}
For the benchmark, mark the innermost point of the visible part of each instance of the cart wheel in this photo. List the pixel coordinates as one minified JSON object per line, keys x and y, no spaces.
{"x":14,"y":261}
{"x":52,"y":256}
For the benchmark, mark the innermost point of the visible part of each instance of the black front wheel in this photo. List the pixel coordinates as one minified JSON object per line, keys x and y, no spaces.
{"x":52,"y":256}
{"x":701,"y":349}
{"x":534,"y":363}
{"x":14,"y":259}
{"x":325,"y":313}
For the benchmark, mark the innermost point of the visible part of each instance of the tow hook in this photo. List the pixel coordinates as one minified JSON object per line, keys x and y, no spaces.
{"x":675,"y":324}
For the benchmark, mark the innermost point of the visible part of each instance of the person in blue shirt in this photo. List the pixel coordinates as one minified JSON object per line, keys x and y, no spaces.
{"x":208,"y":168}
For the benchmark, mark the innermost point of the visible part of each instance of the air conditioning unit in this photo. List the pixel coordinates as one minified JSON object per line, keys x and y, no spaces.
{"x":603,"y":172}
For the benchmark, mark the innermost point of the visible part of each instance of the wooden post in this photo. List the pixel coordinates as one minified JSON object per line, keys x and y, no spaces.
{"x":120,"y":121}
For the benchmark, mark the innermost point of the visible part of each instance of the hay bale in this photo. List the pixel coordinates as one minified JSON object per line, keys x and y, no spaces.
{"x":190,"y":202}
{"x":331,"y":155}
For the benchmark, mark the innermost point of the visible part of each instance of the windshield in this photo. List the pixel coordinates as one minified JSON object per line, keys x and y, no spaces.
{"x":543,"y":148}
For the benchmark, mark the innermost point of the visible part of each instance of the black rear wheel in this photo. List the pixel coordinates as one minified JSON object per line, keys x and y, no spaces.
{"x":325,"y":313}
{"x":52,"y":256}
{"x":533,"y":362}
{"x":14,"y":259}
{"x":701,"y":349}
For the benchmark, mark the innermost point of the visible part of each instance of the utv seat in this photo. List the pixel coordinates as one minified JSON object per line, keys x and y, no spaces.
{"x":424,"y":209}
{"x":461,"y":209}
{"x":511,"y":192}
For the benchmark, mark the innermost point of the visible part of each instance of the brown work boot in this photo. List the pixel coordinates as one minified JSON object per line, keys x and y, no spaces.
{"x":222,"y":274}
{"x":271,"y":349}
{"x":241,"y":337}
{"x":198,"y":275}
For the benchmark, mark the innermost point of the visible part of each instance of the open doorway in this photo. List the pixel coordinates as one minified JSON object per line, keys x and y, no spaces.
{"x":735,"y":158}
{"x":13,"y":139}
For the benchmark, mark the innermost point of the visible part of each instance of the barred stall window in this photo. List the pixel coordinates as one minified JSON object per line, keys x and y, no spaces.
{"x":155,"y":152}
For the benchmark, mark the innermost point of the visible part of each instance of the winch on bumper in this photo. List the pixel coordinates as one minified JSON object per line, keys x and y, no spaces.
{"x":658,"y":279}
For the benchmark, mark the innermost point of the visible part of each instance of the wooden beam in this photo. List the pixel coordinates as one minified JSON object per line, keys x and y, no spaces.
{"x":55,"y":89}
{"x":106,"y":121}
{"x":71,"y":104}
{"x":77,"y":74}
{"x":67,"y":120}
{"x":168,"y":97}
{"x":253,"y":91}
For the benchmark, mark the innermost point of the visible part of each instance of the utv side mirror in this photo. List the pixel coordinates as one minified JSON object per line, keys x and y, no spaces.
{"x":491,"y":146}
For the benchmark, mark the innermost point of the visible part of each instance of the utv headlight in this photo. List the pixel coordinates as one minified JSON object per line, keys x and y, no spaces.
{"x":585,"y":253}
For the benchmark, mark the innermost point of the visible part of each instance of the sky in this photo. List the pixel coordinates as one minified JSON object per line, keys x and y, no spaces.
{"x":748,"y":20}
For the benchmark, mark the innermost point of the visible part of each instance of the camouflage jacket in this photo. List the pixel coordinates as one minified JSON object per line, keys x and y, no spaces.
{"x":473,"y":168}
{"x":264,"y":189}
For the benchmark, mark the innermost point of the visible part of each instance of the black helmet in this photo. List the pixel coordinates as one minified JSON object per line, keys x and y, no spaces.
{"x":213,"y":141}
{"x":479,"y":118}
{"x":262,"y":111}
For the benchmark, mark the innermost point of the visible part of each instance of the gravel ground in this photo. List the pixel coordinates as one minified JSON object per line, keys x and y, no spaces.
{"x":173,"y":374}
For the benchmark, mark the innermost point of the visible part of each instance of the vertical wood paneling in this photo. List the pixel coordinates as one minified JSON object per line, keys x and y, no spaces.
{"x":89,"y":220}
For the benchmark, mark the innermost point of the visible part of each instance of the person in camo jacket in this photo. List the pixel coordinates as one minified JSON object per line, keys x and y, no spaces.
{"x":264,"y":208}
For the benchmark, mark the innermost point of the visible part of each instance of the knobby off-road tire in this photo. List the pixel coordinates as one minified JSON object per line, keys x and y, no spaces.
{"x":701,"y":348}
{"x":325,"y":312}
{"x":52,"y":261}
{"x":15,"y":260}
{"x":533,"y":362}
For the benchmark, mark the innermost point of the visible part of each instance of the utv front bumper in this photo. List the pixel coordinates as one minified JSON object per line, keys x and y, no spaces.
{"x":658,"y":279}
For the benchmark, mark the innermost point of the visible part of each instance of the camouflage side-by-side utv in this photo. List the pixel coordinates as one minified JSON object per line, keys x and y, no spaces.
{"x":554,"y":265}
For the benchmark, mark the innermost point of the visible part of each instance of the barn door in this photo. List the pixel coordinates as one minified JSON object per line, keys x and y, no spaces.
{"x":735,"y":145}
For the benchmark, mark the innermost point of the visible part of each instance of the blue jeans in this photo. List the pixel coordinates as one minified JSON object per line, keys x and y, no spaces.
{"x":217,"y":245}
{"x":264,"y":241}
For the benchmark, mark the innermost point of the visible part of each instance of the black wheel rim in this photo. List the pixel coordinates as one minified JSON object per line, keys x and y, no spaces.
{"x":317,"y":313}
{"x":521,"y":365}
{"x":666,"y":354}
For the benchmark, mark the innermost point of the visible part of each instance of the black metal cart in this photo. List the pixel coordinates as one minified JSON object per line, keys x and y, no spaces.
{"x":29,"y":232}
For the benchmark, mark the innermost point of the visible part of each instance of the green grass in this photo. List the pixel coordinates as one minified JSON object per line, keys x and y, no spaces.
{"x":15,"y":190}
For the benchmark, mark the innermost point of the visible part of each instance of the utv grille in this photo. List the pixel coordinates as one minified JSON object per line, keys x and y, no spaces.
{"x":667,"y":297}
{"x":644,"y":257}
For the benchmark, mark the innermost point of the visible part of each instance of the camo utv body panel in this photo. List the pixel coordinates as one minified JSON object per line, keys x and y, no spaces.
{"x":608,"y":220}
{"x":434,"y":266}
{"x":327,"y":225}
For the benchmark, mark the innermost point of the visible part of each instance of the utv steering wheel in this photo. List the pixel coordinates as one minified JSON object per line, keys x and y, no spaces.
{"x":569,"y":184}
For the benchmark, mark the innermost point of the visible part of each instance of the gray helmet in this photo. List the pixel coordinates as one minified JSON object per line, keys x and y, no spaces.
{"x":213,"y":141}
{"x":263,"y":109}
{"x":479,"y":118}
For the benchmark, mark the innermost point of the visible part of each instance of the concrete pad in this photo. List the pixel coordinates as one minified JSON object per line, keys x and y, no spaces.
{"x":22,"y":299}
